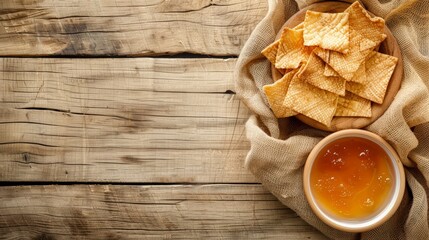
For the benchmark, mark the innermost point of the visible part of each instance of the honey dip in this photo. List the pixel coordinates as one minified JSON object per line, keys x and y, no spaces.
{"x":351,"y":178}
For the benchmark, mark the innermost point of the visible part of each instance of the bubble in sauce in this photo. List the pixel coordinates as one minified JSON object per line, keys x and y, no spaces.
{"x":351,"y":177}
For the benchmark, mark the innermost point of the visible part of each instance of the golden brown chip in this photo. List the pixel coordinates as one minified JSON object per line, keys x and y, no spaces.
{"x":311,"y":101}
{"x":291,"y":50}
{"x":330,"y":72}
{"x":345,"y":64}
{"x":379,"y":69}
{"x":270,"y":52}
{"x":327,"y":30}
{"x":371,"y":28}
{"x":366,"y":33}
{"x":276,"y":93}
{"x":360,"y":74}
{"x":323,"y":57}
{"x":313,"y":73}
{"x":352,"y":105}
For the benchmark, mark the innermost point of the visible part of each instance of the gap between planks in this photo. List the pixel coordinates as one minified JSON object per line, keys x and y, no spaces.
{"x":127,"y":27}
{"x":134,"y":212}
{"x":121,"y":120}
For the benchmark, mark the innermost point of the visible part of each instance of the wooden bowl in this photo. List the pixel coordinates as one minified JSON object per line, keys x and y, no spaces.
{"x":388,"y":46}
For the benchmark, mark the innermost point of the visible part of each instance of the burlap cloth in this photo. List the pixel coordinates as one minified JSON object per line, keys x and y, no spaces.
{"x":279,"y":147}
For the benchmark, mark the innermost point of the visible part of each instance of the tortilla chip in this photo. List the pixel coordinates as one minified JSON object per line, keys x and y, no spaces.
{"x":323,"y":57}
{"x":366,"y":33}
{"x":311,"y":101}
{"x":379,"y":69}
{"x":270,"y":52}
{"x":291,"y":50}
{"x":299,"y":26}
{"x":330,"y":72}
{"x":371,"y":28}
{"x":352,"y":105}
{"x":276,"y":94}
{"x":345,"y":64}
{"x":327,"y":30}
{"x":360,"y":74}
{"x":312,"y":73}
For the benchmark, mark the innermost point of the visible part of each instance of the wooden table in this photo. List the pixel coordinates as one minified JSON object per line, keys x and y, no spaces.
{"x":118,"y":120}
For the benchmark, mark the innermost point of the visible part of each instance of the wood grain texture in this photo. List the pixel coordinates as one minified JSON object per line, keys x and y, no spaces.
{"x":126,"y":27}
{"x":121,"y":120}
{"x":147,"y":212}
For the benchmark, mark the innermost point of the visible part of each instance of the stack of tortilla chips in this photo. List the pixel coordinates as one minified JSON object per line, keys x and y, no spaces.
{"x":330,"y":66}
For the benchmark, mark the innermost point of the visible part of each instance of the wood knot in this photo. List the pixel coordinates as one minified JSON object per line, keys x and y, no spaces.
{"x":26,"y":157}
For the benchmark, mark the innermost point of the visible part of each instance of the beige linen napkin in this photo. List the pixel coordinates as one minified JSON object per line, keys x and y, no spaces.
{"x":279,"y":147}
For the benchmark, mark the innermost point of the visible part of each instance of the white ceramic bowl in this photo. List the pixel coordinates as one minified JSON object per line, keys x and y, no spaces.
{"x":392,"y":200}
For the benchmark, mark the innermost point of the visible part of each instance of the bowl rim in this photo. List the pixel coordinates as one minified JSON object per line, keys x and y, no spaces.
{"x":390,"y":208}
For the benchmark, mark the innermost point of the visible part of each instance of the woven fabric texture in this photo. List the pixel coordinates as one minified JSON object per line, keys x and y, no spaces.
{"x":279,"y":147}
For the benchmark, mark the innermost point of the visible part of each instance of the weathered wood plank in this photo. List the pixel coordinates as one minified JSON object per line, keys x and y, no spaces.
{"x":126,"y":27}
{"x":121,"y":120}
{"x":147,"y":212}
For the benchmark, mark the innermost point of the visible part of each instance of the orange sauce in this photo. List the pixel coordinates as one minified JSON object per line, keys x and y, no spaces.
{"x":351,"y":177}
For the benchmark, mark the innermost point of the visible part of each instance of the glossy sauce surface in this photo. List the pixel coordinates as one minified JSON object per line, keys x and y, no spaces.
{"x":351,"y":177}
